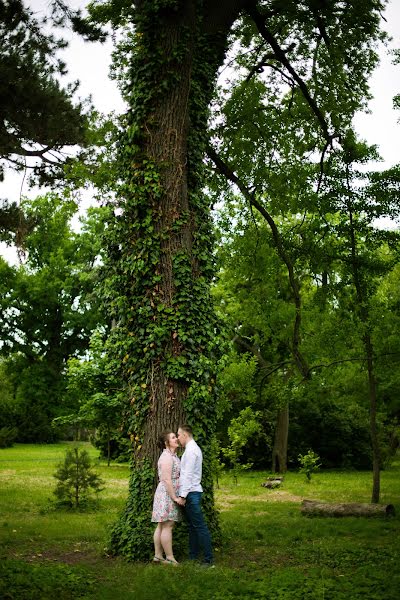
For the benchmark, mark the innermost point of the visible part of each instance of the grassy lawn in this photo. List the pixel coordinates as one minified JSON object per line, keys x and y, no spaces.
{"x":270,"y":551}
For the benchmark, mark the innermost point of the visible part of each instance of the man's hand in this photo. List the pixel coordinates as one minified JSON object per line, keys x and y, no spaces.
{"x":181,"y":501}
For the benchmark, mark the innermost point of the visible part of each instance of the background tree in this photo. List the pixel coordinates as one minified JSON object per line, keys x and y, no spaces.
{"x":38,"y":117}
{"x":48,"y":310}
{"x":94,"y":393}
{"x":328,"y":411}
{"x":365,"y":256}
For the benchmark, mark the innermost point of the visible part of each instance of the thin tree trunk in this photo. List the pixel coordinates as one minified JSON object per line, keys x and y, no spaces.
{"x":108,"y":446}
{"x":363,"y":313}
{"x":376,"y":453}
{"x":279,"y":452}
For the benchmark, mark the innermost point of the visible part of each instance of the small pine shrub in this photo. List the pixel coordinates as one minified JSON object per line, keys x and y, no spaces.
{"x":76,"y":479}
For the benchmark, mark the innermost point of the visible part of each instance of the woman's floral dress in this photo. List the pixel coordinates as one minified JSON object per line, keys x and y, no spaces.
{"x":164,"y":508}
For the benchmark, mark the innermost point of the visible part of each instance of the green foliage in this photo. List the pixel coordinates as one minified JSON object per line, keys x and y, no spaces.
{"x":93,"y":391}
{"x":241,"y":429}
{"x":48,"y":311}
{"x":112,"y":444}
{"x":236,"y":380}
{"x":39,"y":117}
{"x":136,"y":516}
{"x":310,"y":463}
{"x":331,"y":416}
{"x":340,"y":301}
{"x":216,"y":466}
{"x":76,"y":479}
{"x":7,"y":436}
{"x":37,"y":390}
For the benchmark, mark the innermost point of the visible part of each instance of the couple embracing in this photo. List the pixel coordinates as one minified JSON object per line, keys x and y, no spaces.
{"x":180,"y":486}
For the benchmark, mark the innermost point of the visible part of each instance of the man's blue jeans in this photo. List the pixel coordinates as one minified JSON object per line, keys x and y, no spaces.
{"x":199,"y":535}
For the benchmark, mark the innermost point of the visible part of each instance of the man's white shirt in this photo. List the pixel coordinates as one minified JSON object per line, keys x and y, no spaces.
{"x":191,"y":469}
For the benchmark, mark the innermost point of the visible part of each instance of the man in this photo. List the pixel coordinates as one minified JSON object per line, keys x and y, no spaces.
{"x":190,"y":491}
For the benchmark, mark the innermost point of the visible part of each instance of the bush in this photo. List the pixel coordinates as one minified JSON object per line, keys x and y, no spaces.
{"x":76,"y":479}
{"x":309,"y":464}
{"x":7,"y":436}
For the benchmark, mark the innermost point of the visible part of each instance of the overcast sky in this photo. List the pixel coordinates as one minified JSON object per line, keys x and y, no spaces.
{"x":89,"y":62}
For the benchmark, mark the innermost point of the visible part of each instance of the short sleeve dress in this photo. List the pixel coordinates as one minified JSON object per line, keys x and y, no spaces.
{"x":164,"y":508}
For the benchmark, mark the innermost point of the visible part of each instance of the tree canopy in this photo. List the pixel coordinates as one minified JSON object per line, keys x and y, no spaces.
{"x":48,"y":310}
{"x":39,"y":117}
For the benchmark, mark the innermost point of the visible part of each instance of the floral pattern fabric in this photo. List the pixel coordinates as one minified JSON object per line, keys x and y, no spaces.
{"x":164,"y":508}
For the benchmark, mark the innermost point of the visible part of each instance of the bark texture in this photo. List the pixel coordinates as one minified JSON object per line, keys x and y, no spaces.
{"x":168,"y":129}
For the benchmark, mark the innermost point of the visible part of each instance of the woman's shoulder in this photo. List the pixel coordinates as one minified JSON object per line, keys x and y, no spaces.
{"x":166,"y":455}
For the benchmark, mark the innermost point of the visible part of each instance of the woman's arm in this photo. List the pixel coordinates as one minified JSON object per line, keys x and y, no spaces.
{"x":166,"y":476}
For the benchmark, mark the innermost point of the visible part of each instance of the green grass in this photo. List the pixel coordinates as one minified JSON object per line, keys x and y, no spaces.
{"x":270,"y":551}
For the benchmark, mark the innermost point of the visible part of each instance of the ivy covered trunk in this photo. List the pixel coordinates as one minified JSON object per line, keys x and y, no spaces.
{"x":160,"y":248}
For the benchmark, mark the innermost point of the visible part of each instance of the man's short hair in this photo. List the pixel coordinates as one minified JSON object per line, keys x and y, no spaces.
{"x":186,"y":428}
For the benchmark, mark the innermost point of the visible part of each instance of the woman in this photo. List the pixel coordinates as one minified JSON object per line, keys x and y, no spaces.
{"x":165,"y":506}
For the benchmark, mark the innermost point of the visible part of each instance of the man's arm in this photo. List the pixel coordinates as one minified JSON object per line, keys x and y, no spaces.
{"x":187,"y":472}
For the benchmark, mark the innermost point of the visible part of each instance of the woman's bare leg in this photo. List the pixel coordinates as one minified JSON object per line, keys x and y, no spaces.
{"x":158,"y":551}
{"x":166,"y":539}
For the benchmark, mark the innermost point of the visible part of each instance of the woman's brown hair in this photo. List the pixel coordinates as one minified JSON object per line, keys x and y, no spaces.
{"x":163,"y":439}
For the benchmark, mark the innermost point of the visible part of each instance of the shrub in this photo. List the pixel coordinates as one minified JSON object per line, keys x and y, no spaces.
{"x":76,"y":479}
{"x":7,"y":436}
{"x":309,"y":464}
{"x":240,"y":430}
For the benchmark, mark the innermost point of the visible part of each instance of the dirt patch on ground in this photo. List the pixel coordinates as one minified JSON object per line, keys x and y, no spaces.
{"x":121,"y":483}
{"x":79,"y":554}
{"x":282,"y":496}
{"x":7,"y":473}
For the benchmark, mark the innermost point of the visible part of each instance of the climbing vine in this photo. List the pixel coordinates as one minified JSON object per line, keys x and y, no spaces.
{"x":160,"y":256}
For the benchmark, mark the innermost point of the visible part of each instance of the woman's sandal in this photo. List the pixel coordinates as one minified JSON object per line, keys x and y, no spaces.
{"x":159,"y":560}
{"x":170,"y":561}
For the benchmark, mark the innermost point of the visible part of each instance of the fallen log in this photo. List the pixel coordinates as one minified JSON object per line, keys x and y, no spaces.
{"x":272,"y":483}
{"x":351,"y":509}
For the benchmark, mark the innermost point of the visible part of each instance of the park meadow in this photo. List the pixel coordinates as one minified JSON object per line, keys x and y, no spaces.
{"x":269,"y":550}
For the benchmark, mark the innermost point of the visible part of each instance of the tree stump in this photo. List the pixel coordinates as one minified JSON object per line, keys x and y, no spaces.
{"x":352,"y":509}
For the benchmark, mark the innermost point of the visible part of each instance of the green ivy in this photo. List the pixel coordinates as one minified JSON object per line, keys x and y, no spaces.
{"x":177,"y":337}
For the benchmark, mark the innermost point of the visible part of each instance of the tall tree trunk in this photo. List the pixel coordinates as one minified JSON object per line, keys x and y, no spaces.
{"x":160,"y":247}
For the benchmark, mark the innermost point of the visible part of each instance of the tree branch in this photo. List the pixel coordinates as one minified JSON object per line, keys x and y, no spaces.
{"x":225,"y":170}
{"x":280,"y":54}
